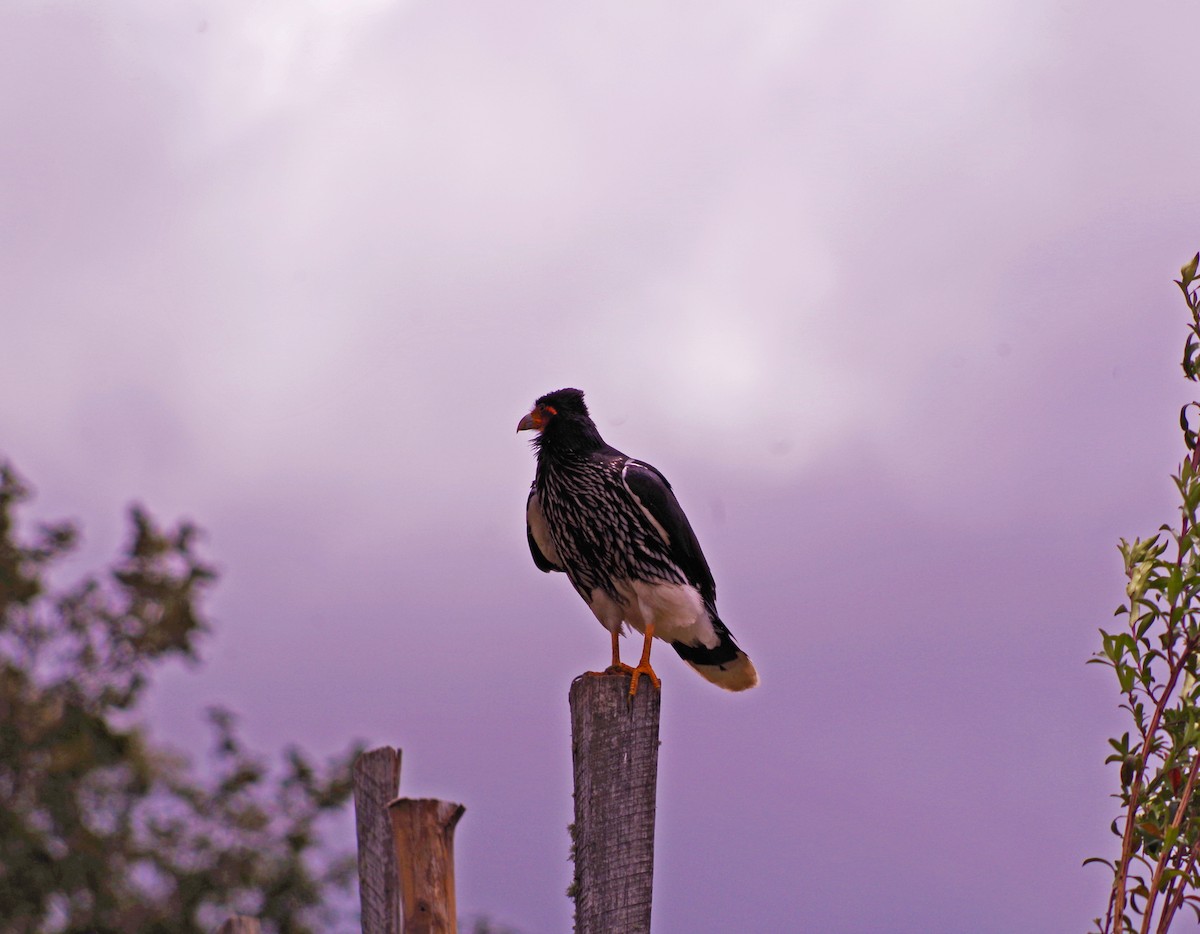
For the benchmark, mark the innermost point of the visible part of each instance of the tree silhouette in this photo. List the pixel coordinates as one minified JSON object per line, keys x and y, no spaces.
{"x":100,"y":828}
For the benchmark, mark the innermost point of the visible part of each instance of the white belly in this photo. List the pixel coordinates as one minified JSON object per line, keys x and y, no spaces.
{"x":676,"y":610}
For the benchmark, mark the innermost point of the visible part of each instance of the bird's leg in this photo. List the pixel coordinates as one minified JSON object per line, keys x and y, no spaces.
{"x":617,"y":666}
{"x":643,"y":667}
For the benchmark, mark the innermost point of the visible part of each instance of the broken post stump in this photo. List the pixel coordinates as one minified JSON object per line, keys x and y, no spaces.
{"x":423,"y":830}
{"x":614,"y":749}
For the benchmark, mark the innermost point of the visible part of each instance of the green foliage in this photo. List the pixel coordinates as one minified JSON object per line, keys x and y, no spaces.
{"x":100,"y":829}
{"x":1153,"y":654}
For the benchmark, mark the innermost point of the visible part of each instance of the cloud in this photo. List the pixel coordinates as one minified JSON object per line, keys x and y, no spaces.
{"x":882,"y":287}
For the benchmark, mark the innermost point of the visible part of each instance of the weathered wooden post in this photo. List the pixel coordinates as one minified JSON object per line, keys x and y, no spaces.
{"x":376,"y":783}
{"x":614,"y":748}
{"x":423,"y":829}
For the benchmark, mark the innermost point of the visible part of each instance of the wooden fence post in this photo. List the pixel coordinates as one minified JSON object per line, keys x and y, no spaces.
{"x":614,"y":748}
{"x":376,"y":783}
{"x":423,"y":829}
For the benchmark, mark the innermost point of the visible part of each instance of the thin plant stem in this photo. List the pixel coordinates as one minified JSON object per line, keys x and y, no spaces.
{"x":1135,"y":786}
{"x":1178,"y":890}
{"x":1179,"y":813}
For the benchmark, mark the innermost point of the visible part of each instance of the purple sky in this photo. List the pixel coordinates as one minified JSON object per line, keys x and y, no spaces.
{"x":884,"y":289}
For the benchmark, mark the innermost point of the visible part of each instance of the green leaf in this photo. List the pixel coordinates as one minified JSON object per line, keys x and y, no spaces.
{"x":1174,"y":583}
{"x":1188,"y":272}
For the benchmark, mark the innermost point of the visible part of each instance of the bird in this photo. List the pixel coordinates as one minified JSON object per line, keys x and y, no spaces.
{"x":613,"y":525}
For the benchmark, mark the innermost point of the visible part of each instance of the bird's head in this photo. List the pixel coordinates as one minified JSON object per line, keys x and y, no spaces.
{"x":562,"y":421}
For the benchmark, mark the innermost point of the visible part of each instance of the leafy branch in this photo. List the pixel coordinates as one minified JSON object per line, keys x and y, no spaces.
{"x":1154,"y":658}
{"x":103,"y":829}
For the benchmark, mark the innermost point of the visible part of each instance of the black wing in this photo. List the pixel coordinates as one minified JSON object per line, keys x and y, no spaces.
{"x":652,"y":492}
{"x":541,"y":546}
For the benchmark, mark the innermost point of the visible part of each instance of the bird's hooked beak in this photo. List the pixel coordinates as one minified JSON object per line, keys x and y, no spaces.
{"x":536,"y":419}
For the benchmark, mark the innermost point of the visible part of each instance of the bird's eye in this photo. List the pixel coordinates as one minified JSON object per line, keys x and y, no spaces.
{"x":550,"y":409}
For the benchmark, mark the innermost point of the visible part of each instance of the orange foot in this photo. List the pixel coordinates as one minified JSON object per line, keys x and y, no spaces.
{"x":635,"y":674}
{"x":616,"y":668}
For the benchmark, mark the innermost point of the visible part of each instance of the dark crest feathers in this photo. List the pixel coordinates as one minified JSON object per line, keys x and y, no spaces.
{"x":570,"y":429}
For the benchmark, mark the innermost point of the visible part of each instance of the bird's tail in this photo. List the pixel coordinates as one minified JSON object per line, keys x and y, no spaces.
{"x":725,"y":665}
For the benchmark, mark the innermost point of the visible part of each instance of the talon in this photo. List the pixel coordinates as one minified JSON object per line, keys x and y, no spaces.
{"x":618,"y":669}
{"x":643,"y":667}
{"x":635,"y":675}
